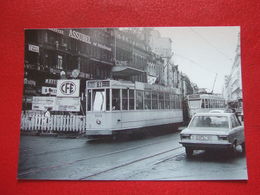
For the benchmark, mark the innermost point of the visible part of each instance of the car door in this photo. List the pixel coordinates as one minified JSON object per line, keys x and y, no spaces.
{"x":237,"y":130}
{"x":240,"y":129}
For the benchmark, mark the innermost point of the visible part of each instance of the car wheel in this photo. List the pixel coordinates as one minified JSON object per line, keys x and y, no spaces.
{"x":189,"y":151}
{"x":243,"y":147}
{"x":233,"y":148}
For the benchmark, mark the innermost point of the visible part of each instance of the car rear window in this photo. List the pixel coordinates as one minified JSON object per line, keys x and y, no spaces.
{"x":210,"y":121}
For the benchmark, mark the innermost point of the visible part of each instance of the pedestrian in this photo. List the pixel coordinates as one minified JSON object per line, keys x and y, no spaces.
{"x":46,"y":119}
{"x":47,"y":113}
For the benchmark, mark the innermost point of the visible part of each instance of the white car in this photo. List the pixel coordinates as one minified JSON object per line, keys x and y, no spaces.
{"x":213,"y":131}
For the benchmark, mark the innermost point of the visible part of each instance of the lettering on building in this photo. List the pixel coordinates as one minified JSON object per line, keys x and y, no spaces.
{"x":79,"y":36}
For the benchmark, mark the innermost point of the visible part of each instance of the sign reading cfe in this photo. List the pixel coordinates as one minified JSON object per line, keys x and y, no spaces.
{"x":68,"y":88}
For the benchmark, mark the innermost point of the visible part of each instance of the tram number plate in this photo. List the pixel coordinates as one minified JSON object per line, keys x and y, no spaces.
{"x":203,"y":137}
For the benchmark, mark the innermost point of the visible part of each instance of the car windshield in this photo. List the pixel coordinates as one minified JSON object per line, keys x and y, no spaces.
{"x":210,"y":121}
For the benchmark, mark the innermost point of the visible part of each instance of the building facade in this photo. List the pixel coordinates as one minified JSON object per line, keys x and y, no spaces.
{"x":233,"y":81}
{"x":50,"y":53}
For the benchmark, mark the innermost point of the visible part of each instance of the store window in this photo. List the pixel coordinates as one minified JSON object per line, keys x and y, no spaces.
{"x":60,"y":62}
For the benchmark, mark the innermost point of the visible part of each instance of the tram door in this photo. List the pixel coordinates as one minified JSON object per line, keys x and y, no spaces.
{"x":116,"y":117}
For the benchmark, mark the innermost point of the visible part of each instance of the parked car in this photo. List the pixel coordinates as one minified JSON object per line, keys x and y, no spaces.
{"x":213,"y":131}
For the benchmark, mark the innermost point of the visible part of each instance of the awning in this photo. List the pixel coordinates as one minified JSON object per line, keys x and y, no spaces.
{"x":120,"y":70}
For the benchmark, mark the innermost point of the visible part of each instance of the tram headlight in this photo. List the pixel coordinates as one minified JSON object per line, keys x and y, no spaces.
{"x":98,"y":122}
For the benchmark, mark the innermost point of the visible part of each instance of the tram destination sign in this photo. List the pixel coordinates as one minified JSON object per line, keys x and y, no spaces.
{"x":98,"y":84}
{"x":68,"y":88}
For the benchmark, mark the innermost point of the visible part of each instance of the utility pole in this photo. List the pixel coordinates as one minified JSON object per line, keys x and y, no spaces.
{"x":214,"y":83}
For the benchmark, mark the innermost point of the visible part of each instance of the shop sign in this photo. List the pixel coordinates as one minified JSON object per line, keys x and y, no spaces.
{"x":68,"y":88}
{"x":49,"y":91}
{"x":55,"y":71}
{"x":51,"y":81}
{"x":29,"y":82}
{"x":67,"y":104}
{"x":43,"y":102}
{"x":57,"y":30}
{"x":79,"y":36}
{"x":33,"y":48}
{"x":121,"y":63}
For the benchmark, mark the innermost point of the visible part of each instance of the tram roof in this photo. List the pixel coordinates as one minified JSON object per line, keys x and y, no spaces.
{"x":130,"y":84}
{"x":215,"y":96}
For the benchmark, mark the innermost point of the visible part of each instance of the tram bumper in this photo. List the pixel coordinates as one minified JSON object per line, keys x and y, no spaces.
{"x":98,"y":132}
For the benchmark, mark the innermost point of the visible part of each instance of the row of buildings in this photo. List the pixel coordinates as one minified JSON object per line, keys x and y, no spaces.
{"x":233,"y":81}
{"x":135,"y":54}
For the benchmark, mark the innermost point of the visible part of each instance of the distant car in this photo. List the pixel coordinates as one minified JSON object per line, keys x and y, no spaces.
{"x":213,"y":131}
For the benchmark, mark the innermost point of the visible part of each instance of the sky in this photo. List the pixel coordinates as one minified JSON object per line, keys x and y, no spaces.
{"x":203,"y":52}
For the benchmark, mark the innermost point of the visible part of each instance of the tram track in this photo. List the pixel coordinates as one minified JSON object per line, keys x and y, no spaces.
{"x":134,"y":161}
{"x":65,"y":164}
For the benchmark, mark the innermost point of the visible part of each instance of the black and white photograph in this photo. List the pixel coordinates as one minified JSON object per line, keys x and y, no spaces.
{"x":132,"y":103}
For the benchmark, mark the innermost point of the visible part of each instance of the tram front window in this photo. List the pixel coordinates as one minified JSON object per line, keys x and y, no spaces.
{"x":194,"y":103}
{"x":98,"y":100}
{"x":89,"y":100}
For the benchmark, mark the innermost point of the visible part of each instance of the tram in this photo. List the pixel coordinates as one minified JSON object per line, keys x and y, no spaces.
{"x":115,"y":106}
{"x":199,"y":103}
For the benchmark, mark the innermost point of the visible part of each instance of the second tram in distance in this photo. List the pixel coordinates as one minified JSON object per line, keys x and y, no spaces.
{"x":199,"y":103}
{"x":117,"y":106}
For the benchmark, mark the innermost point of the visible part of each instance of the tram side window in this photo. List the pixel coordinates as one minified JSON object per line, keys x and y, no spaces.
{"x":167,"y":101}
{"x":147,"y":100}
{"x":124,"y":99}
{"x":154,"y":100}
{"x":161,"y":101}
{"x":174,"y":101}
{"x":203,"y":104}
{"x":131,"y":99}
{"x":180,"y":103}
{"x":177,"y":103}
{"x":139,"y":100}
{"x":206,"y":103}
{"x":116,"y":99}
{"x":171,"y":101}
{"x":89,"y":100}
{"x":107,"y":99}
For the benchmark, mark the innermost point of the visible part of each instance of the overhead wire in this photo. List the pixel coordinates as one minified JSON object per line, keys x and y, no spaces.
{"x":210,"y":44}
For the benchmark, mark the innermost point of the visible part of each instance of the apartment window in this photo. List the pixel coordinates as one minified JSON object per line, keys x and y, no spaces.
{"x":60,"y":61}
